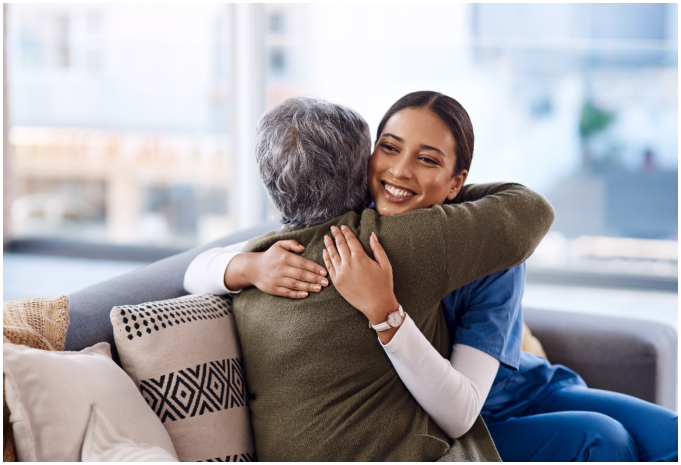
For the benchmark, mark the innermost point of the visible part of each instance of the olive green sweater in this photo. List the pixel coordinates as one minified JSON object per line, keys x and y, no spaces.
{"x":321,"y":387}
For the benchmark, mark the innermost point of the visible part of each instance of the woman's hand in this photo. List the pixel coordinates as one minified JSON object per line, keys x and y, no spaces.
{"x":277,"y":271}
{"x":366,"y":284}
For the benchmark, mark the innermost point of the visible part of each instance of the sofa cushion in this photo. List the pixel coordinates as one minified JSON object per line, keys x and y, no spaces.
{"x":184,"y":356}
{"x":531,"y":344}
{"x":50,"y":396}
{"x":103,"y":443}
{"x":40,"y":323}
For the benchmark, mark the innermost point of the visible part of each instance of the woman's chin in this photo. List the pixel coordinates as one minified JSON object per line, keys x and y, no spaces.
{"x":389,"y":208}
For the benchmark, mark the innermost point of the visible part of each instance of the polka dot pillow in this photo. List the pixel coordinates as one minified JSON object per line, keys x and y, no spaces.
{"x":185,"y":358}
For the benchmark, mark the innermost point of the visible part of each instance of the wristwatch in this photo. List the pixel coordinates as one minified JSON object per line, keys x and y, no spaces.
{"x":394,"y":320}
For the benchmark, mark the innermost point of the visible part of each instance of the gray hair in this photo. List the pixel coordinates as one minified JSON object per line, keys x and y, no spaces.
{"x":313,"y":158}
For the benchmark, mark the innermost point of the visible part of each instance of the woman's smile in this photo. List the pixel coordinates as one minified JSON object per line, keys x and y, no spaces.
{"x":395,"y":193}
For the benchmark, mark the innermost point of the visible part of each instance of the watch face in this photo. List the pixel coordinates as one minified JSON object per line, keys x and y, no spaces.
{"x":394,"y":319}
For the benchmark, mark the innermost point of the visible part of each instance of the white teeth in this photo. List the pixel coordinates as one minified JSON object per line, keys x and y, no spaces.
{"x":397,"y":192}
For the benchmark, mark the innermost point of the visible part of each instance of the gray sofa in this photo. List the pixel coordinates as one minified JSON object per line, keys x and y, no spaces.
{"x":619,"y":354}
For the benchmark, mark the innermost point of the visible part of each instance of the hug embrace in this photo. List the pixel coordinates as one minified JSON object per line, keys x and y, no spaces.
{"x":383,"y":321}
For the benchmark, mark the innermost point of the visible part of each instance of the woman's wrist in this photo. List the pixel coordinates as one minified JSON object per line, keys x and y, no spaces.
{"x":378,"y":312}
{"x":386,"y":336}
{"x":238,"y":272}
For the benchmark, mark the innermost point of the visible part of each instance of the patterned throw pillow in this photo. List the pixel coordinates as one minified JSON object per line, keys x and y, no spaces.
{"x":184,"y":356}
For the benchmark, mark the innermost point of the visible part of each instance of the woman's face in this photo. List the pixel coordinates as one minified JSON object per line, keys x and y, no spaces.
{"x":413,"y":163}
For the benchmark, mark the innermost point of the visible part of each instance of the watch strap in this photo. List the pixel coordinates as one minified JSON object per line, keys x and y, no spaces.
{"x":385,"y":325}
{"x":381,"y":326}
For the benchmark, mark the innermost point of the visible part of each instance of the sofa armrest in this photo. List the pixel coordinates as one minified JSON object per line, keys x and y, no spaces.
{"x":90,"y":307}
{"x":634,"y":357}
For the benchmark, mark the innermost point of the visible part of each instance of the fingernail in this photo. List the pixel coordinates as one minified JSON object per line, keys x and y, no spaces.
{"x":304,"y":294}
{"x":326,"y":238}
{"x":343,"y":227}
{"x":317,"y":288}
{"x":322,"y":272}
{"x":325,"y":282}
{"x":333,"y":228}
{"x":373,"y":234}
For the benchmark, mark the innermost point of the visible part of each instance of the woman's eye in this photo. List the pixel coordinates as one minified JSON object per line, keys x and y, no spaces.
{"x":430,"y":161}
{"x":390,"y":148}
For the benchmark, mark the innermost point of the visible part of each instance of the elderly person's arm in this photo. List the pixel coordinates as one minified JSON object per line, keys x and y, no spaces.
{"x":455,"y":390}
{"x":461,"y":243}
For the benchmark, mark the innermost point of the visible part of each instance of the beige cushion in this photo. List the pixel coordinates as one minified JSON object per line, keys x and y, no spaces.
{"x":184,"y":355}
{"x":103,"y":443}
{"x":531,"y":344}
{"x":50,"y":396}
{"x":40,"y":323}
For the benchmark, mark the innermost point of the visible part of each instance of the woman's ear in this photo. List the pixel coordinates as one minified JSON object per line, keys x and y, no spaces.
{"x":456,"y":184}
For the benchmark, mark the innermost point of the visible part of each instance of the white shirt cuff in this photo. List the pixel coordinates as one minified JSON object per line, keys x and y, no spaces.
{"x":401,"y":336}
{"x":206,"y":273}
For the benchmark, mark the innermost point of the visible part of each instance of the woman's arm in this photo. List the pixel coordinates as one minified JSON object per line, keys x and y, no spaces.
{"x":451,"y":392}
{"x":277,"y":271}
{"x":205,"y":274}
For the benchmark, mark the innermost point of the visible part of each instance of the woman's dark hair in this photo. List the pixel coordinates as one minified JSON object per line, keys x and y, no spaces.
{"x":450,"y":112}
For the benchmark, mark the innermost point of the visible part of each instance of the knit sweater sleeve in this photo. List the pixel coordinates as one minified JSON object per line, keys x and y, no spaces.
{"x":493,"y":228}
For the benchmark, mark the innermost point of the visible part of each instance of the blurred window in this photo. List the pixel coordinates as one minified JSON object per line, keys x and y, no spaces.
{"x":277,"y":23}
{"x":45,"y":40}
{"x":131,"y":145}
{"x":277,"y":60}
{"x":120,"y":113}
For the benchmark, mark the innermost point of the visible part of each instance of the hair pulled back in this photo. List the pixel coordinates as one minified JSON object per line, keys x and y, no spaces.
{"x":450,"y":112}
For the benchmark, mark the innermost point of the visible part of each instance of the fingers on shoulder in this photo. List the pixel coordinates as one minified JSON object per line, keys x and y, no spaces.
{"x":329,"y":264}
{"x":330,"y":248}
{"x":338,"y":237}
{"x":290,"y":244}
{"x":379,"y":252}
{"x":353,"y":243}
{"x":303,"y":264}
{"x":290,"y":293}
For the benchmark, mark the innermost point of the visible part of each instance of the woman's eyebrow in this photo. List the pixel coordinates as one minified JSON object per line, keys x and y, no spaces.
{"x":428,"y":147}
{"x":422,"y":146}
{"x":399,"y":139}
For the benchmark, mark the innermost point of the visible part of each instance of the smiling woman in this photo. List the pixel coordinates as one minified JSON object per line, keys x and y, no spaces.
{"x":424,"y":149}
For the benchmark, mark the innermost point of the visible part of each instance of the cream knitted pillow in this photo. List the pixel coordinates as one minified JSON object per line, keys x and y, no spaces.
{"x":184,"y":356}
{"x":39,"y":323}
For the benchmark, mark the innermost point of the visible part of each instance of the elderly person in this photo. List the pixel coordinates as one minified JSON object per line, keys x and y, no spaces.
{"x":322,"y":396}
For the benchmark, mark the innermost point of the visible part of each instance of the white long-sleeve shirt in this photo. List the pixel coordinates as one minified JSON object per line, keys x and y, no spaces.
{"x":451,"y":391}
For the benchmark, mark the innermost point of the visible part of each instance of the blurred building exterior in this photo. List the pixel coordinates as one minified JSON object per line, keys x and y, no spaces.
{"x":123,"y":115}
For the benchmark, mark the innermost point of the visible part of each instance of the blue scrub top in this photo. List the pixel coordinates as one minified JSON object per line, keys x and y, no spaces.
{"x":487,"y":315}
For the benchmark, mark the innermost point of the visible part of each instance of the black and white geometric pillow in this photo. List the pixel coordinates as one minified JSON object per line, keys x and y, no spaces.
{"x":185,"y":357}
{"x":156,"y":316}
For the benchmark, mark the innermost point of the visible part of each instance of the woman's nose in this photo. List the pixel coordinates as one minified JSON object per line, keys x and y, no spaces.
{"x":401,"y":168}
